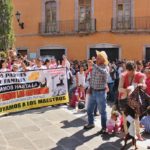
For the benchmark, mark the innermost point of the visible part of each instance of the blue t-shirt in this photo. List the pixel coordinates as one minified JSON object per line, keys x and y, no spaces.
{"x":145,"y":121}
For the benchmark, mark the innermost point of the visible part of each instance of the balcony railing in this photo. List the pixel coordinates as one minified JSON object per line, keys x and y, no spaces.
{"x":67,"y":27}
{"x":133,"y":24}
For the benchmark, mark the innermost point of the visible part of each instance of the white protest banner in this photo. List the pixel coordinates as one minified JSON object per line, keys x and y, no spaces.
{"x":32,"y":89}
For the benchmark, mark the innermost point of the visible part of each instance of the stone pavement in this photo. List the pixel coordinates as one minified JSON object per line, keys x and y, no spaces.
{"x":55,"y":128}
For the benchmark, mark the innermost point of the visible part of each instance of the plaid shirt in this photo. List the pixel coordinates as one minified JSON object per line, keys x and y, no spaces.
{"x":99,"y":77}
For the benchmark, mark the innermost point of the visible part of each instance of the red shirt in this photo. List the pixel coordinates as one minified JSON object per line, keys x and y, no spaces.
{"x":137,"y":78}
{"x":88,"y":71}
{"x":148,"y":86}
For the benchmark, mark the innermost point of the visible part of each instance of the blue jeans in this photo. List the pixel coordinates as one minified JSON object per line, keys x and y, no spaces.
{"x":111,"y":93}
{"x":99,"y":98}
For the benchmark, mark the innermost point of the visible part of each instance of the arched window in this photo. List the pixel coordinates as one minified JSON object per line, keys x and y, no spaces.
{"x":50,"y":16}
{"x":84,"y":15}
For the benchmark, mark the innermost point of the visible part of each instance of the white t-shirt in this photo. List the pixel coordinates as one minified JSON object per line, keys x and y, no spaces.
{"x":81,"y":79}
{"x":4,"y":70}
{"x":39,"y":68}
{"x":120,"y":70}
{"x":59,"y":66}
{"x":29,"y":68}
{"x":53,"y":66}
{"x":69,"y":73}
{"x":67,"y":64}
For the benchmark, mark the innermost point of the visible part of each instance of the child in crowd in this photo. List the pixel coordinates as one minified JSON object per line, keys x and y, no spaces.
{"x":114,"y":124}
{"x":145,"y":121}
{"x":78,"y":95}
{"x":80,"y":77}
{"x":131,"y":129}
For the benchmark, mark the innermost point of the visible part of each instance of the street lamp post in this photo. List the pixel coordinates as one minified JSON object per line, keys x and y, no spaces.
{"x":21,"y":24}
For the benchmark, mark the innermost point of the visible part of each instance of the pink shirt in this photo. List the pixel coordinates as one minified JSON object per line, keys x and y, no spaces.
{"x":53,"y":65}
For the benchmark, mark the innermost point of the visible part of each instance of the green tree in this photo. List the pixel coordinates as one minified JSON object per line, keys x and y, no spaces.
{"x":6,"y":29}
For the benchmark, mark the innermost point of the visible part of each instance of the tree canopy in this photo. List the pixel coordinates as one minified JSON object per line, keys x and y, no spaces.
{"x":6,"y":29}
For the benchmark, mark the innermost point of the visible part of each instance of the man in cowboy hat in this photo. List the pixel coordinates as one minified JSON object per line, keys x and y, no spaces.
{"x":97,"y":91}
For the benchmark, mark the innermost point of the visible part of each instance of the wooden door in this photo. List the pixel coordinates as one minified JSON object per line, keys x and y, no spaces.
{"x":112,"y":53}
{"x":147,"y":54}
{"x":52,"y":53}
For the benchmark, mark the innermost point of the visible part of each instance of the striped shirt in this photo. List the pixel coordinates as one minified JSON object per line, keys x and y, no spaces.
{"x":145,"y":121}
{"x":99,"y":77}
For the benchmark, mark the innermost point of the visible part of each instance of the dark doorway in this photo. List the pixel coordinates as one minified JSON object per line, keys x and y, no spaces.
{"x":147,"y":54}
{"x":113,"y":53}
{"x":56,"y":53}
{"x":22,"y":52}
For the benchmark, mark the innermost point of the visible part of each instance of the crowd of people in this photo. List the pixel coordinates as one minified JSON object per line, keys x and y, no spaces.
{"x":93,"y":83}
{"x":17,"y":62}
{"x":100,"y":81}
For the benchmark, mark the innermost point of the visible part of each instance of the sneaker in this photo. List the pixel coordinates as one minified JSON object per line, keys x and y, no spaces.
{"x":102,"y":131}
{"x":89,"y":126}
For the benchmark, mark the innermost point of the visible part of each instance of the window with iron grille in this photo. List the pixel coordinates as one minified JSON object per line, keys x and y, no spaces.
{"x":123,"y":14}
{"x":50,"y":16}
{"x":84,"y":15}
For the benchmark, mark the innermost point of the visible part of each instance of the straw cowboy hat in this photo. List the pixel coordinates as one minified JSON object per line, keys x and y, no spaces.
{"x":104,"y":55}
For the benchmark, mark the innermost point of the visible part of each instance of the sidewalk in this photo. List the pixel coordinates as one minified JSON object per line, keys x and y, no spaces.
{"x":55,"y":128}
